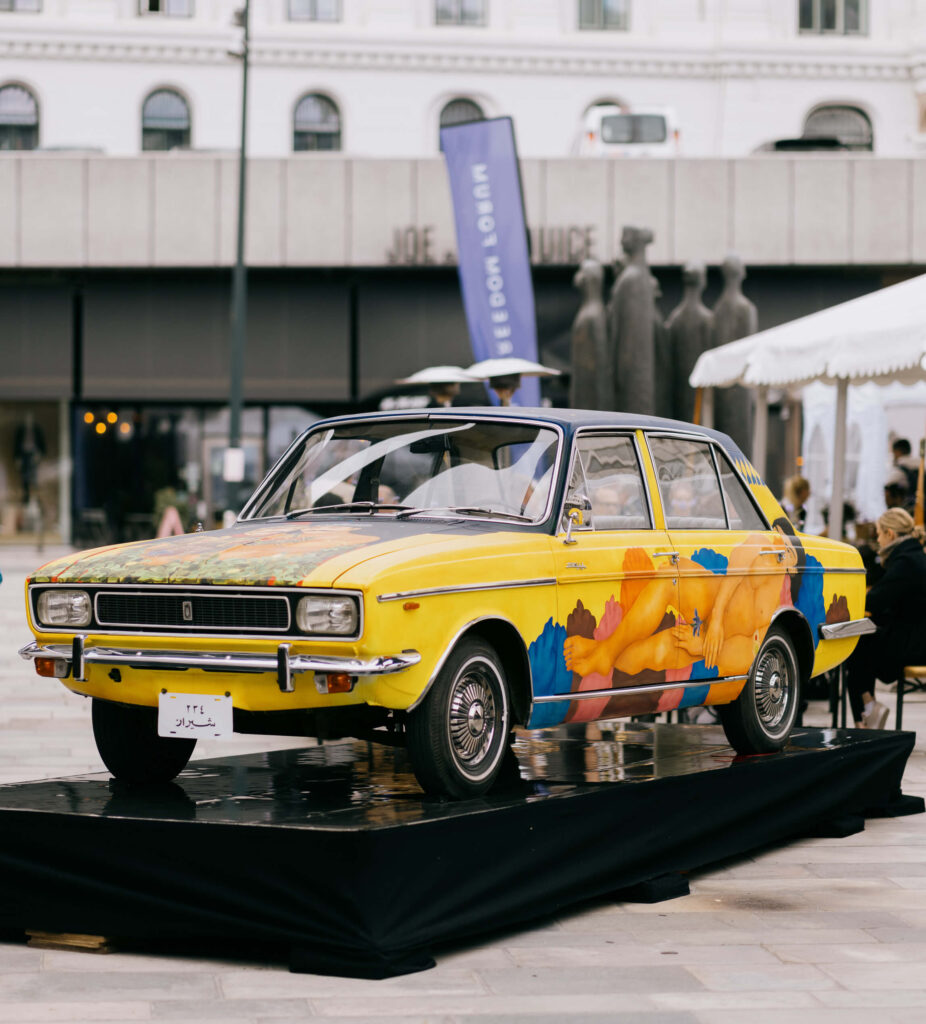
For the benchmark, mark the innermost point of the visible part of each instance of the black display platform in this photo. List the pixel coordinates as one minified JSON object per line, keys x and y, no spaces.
{"x":332,"y":852}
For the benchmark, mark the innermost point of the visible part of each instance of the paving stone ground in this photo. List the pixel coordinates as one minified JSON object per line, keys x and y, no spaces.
{"x":819,"y":930}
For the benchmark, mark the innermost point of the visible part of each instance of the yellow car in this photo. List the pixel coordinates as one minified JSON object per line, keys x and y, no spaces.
{"x":437,"y":577}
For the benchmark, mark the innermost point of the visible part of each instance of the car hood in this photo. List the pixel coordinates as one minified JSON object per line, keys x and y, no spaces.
{"x":261,"y":554}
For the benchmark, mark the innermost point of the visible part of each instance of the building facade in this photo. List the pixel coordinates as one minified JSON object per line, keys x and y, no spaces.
{"x":119,"y":122}
{"x":373,"y":78}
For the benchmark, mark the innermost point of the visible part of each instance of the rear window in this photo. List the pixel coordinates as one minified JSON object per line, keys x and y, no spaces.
{"x":627,"y":128}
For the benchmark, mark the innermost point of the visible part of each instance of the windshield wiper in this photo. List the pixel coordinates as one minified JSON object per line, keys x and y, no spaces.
{"x":349,"y":506}
{"x":464,"y":510}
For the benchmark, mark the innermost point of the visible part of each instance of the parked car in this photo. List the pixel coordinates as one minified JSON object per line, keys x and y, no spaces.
{"x":439,"y":576}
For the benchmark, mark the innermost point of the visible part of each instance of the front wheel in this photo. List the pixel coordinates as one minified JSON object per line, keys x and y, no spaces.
{"x":128,"y":741}
{"x":760,"y":720}
{"x":458,"y":735}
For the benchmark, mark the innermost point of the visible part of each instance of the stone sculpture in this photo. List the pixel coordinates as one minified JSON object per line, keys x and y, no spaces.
{"x":592,"y":374}
{"x":734,"y":317}
{"x":631,"y":326}
{"x":663,"y":404}
{"x":690,"y":327}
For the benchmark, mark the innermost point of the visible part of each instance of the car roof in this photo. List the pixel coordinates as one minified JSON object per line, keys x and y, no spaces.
{"x":570,"y":420}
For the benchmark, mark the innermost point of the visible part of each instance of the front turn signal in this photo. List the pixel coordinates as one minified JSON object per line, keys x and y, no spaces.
{"x":54,"y":668}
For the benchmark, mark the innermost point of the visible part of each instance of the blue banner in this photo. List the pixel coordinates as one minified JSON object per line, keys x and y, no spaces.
{"x":492,"y":253}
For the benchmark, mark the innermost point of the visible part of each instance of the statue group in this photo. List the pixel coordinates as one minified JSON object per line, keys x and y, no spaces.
{"x":626,"y":357}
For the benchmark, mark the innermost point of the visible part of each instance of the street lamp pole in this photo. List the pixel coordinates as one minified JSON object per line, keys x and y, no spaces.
{"x":234,"y":459}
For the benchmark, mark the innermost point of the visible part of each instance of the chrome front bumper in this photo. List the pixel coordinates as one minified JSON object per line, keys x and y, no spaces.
{"x":283,"y":664}
{"x":850,"y":628}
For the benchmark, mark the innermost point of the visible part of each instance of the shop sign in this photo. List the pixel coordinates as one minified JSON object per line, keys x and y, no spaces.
{"x":414,"y":246}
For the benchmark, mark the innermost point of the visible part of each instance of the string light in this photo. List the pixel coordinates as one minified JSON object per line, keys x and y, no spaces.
{"x":101,"y":427}
{"x":111,"y":417}
{"x":88,"y":417}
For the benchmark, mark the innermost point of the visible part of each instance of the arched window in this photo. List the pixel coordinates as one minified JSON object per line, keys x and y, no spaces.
{"x":316,"y":124}
{"x":847,"y":124}
{"x":19,"y":118}
{"x":459,"y":111}
{"x":165,"y":121}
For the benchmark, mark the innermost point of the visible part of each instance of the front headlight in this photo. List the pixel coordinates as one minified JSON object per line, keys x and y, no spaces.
{"x":336,"y":616}
{"x":64,"y":608}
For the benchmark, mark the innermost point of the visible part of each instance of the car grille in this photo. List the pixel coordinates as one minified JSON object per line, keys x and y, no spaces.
{"x":194,"y":611}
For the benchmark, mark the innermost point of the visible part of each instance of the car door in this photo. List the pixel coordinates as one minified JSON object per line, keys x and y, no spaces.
{"x":616,"y":582}
{"x":733,"y":569}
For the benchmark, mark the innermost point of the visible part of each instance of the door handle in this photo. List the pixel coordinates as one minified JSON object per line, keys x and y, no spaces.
{"x":773,"y":551}
{"x":671,"y":555}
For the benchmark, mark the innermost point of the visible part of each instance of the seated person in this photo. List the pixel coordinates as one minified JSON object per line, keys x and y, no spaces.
{"x":895,"y":603}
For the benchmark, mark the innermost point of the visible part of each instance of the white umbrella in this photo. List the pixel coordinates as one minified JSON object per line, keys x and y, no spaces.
{"x":440,"y":375}
{"x":504,"y":375}
{"x":489,"y":368}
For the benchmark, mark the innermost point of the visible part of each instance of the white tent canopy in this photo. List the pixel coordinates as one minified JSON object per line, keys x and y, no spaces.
{"x":880,"y":336}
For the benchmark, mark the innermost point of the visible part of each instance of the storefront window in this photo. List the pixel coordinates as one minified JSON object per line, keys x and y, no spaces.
{"x":134,"y":462}
{"x":30,"y":472}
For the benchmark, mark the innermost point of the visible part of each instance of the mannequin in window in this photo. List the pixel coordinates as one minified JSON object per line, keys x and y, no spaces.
{"x":28,"y":449}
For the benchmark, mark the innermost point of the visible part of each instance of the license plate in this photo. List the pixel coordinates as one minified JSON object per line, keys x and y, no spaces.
{"x":194,"y":715}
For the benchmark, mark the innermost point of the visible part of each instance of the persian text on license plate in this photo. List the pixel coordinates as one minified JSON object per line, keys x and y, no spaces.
{"x":194,"y":715}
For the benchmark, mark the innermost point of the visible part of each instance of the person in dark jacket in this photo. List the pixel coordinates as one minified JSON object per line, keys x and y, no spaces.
{"x":896,"y":604}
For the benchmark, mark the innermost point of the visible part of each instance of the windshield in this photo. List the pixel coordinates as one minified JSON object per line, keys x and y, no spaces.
{"x":628,"y":128}
{"x":408,"y":467}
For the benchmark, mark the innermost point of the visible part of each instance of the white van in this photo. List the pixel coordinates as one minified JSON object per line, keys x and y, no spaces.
{"x":608,"y":130}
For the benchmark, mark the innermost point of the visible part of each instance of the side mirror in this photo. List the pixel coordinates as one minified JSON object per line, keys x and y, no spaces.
{"x":574,"y":512}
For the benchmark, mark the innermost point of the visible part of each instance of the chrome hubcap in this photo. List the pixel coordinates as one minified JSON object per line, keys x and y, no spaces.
{"x":774,"y":688}
{"x":473,"y":716}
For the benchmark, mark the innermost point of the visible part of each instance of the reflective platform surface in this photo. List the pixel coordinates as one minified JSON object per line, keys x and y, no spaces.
{"x":350,"y":784}
{"x":334,"y":852}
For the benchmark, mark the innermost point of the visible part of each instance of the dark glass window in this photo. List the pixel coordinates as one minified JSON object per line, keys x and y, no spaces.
{"x":314,"y":10}
{"x":169,"y":8}
{"x":19,"y":118}
{"x":459,"y":111}
{"x":624,"y":128}
{"x":460,"y":12}
{"x":845,"y":17}
{"x":165,"y":121}
{"x":604,"y":14}
{"x":688,"y":484}
{"x":849,"y":125}
{"x":740,"y":509}
{"x":316,"y":124}
{"x":606,"y":472}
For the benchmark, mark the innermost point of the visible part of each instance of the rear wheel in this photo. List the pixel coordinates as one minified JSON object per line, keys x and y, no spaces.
{"x":760,"y":720}
{"x":128,"y":741}
{"x":458,"y":735}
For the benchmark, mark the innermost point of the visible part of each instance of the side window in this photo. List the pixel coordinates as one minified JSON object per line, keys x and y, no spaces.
{"x":613,"y":483}
{"x":688,"y":484}
{"x":740,"y":509}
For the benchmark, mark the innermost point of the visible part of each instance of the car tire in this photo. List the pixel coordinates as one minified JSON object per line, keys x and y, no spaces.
{"x":128,"y":742}
{"x":457,"y":737}
{"x":760,"y":720}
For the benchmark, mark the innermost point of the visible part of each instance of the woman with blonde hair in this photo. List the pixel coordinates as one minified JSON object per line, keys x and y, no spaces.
{"x":896,"y":604}
{"x":797,"y":491}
